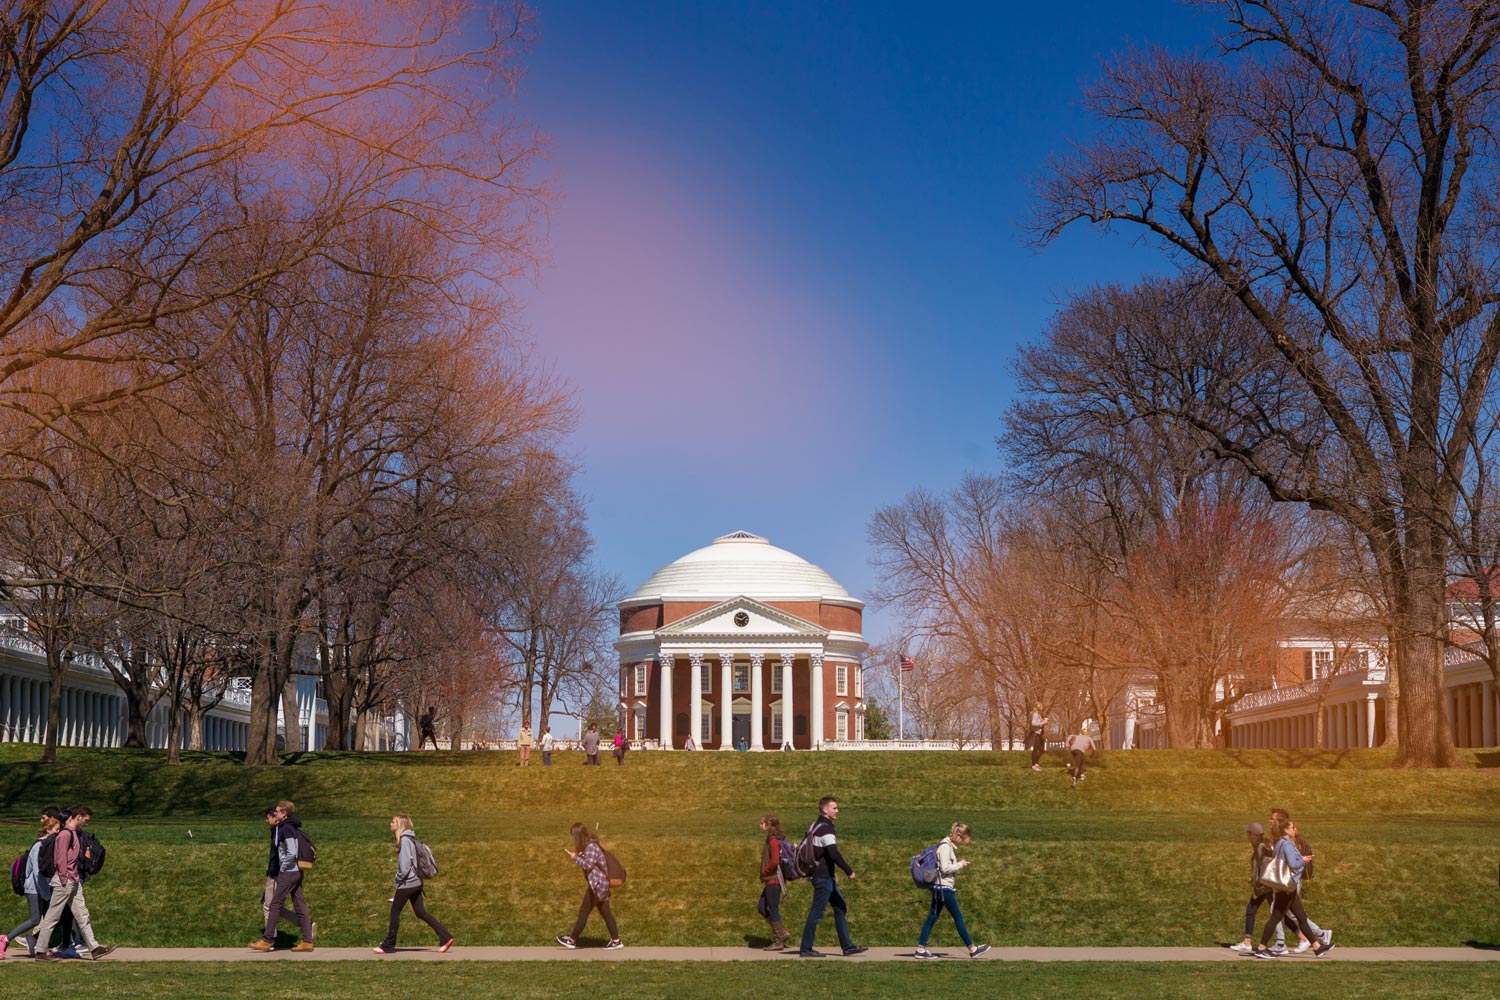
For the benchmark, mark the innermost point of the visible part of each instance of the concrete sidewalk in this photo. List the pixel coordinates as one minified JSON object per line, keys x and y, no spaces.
{"x":659,"y":954}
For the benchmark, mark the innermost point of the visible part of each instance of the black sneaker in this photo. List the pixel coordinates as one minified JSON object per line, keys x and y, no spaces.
{"x":566,"y":941}
{"x":855,"y":949}
{"x":1322,"y":949}
{"x":811,"y":954}
{"x":101,"y":951}
{"x":978,"y":949}
{"x":923,"y":953}
{"x":1261,"y":953}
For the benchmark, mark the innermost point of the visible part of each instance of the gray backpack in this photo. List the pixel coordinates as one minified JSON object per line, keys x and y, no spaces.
{"x":426,"y":864}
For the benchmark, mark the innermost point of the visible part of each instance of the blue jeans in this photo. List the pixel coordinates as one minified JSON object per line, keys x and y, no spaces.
{"x":826,"y":891}
{"x":944,"y":899}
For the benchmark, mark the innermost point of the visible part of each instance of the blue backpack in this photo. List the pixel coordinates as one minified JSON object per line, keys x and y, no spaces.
{"x":924,"y":868}
{"x":789,"y":870}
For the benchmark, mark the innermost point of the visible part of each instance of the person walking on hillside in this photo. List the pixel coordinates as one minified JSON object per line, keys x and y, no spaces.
{"x":547,"y":743}
{"x":273,"y":868}
{"x":37,"y":891}
{"x":409,"y":889}
{"x":523,"y":744}
{"x":621,"y":745}
{"x":67,"y":887}
{"x":1261,"y":851}
{"x":1324,"y":934}
{"x":591,"y":744}
{"x":427,"y":729}
{"x":1079,"y":744}
{"x":944,"y":895}
{"x":1036,"y":736}
{"x":826,"y":861}
{"x":588,"y":855}
{"x":1288,"y":900}
{"x":772,"y":881}
{"x":287,"y":840}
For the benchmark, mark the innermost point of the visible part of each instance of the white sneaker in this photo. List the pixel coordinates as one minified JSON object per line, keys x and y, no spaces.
{"x":1242,"y":948}
{"x":1278,"y":948}
{"x":614,"y":945}
{"x":1326,"y":937}
{"x":1302,"y":946}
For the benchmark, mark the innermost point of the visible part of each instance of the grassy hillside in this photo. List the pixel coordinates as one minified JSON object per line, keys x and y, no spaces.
{"x":1147,"y":851}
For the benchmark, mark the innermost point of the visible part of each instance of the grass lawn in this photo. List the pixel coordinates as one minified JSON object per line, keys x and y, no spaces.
{"x":1147,"y":851}
{"x":758,"y":981}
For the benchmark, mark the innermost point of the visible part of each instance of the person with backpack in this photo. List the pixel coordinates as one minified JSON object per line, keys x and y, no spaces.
{"x":621,"y":745}
{"x":1324,"y":934}
{"x":34,"y":888}
{"x":1287,"y":898}
{"x":590,"y":856}
{"x":64,"y":868}
{"x":1079,"y":744}
{"x":273,"y":868}
{"x":944,"y":895}
{"x":294,"y":852}
{"x":414,"y":864}
{"x":825,"y":860}
{"x":773,"y":880}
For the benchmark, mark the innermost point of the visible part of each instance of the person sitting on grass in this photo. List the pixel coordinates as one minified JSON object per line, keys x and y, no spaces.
{"x":944,"y":896}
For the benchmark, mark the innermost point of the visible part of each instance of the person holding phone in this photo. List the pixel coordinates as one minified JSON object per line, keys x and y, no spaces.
{"x":588,"y":855}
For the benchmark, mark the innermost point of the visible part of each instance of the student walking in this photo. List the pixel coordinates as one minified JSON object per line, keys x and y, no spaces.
{"x":287,"y":839}
{"x":273,"y":868}
{"x":588,"y":855}
{"x":1036,"y":736}
{"x":427,"y":727}
{"x":591,"y":744}
{"x":1289,"y":900}
{"x":409,"y":889}
{"x":547,"y":742}
{"x":944,"y":895}
{"x":523,"y":744}
{"x":1261,"y":851}
{"x":621,"y":745}
{"x":1079,"y":744}
{"x":1324,"y":934}
{"x":826,"y":859}
{"x":37,"y":890}
{"x":772,"y":882}
{"x":68,"y":859}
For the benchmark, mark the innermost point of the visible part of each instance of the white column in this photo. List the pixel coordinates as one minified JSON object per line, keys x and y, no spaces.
{"x":726,"y":704}
{"x":665,"y":699}
{"x":787,"y":732}
{"x":1370,"y":721}
{"x":695,"y":699}
{"x":757,"y":703}
{"x":816,"y":729}
{"x":1487,"y":713}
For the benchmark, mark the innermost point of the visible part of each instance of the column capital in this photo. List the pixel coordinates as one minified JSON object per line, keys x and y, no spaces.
{"x":756,"y":659}
{"x":664,"y":658}
{"x":696,"y":659}
{"x":726,"y":657}
{"x":787,"y":659}
{"x":816,"y":658}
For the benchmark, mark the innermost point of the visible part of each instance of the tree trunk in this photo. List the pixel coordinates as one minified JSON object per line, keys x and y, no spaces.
{"x":56,"y":667}
{"x":196,"y":715}
{"x":136,"y":714}
{"x":1426,"y":738}
{"x":291,"y":716}
{"x":260,"y":743}
{"x":359,"y":731}
{"x":174,"y":735}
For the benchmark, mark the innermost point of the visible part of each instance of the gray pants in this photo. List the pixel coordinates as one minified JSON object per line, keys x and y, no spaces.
{"x":288,"y":884}
{"x":66,"y":896}
{"x":265,"y":904}
{"x":34,"y":903}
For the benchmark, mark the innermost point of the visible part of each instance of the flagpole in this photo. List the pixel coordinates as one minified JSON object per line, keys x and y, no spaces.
{"x":900,"y":700}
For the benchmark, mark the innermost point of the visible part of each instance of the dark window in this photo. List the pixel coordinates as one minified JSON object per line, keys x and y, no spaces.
{"x":682,"y":724}
{"x":799,"y":725}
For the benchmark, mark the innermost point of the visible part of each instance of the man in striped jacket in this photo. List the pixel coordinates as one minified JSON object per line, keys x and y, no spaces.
{"x":825,"y":883}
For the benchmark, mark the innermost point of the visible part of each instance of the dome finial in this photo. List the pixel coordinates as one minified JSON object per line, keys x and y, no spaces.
{"x":741,"y":536}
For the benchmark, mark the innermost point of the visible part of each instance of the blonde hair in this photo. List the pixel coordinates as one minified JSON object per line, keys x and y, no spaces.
{"x":287,"y":807}
{"x":959,"y":833}
{"x":403,"y":823}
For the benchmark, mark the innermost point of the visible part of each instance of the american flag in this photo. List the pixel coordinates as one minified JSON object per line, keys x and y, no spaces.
{"x":907,"y":663}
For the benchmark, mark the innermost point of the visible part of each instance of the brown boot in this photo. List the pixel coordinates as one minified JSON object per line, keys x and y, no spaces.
{"x":781,"y":936}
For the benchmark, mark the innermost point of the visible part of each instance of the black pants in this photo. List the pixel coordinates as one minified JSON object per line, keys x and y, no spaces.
{"x":592,"y":758}
{"x":1287,"y":903}
{"x":414,"y":895}
{"x":1253,"y":907}
{"x":1077,"y":764}
{"x":769,"y":905}
{"x":589,"y":903}
{"x":1038,"y":741}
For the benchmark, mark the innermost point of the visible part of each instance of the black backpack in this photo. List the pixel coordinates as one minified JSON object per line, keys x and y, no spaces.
{"x":805,"y":856}
{"x":307,"y":851}
{"x":90,"y":863}
{"x":18,"y":873}
{"x":46,"y":858}
{"x":613,"y":870}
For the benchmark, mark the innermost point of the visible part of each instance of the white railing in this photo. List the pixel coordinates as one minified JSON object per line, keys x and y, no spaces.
{"x":917,"y":745}
{"x":1371,"y":676}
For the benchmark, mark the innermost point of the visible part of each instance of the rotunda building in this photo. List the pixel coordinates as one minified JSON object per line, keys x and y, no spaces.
{"x":741,"y":644}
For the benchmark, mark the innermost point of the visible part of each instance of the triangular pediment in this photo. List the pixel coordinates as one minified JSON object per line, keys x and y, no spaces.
{"x":742,"y":617}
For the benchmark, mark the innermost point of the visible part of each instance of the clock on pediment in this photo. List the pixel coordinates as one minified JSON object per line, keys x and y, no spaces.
{"x":741,"y":619}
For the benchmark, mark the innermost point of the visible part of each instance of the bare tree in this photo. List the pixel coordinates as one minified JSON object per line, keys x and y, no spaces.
{"x":1332,"y":171}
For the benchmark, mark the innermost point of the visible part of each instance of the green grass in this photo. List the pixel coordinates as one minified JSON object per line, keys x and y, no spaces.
{"x":1148,"y":851}
{"x":758,"y":981}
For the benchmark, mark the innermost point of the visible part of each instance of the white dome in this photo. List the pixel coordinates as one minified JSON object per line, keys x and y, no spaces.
{"x":741,"y":564}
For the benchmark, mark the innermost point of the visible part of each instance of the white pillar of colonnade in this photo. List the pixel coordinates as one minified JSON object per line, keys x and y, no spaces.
{"x":787,"y":733}
{"x":726,"y":701}
{"x":665,"y":670}
{"x":1487,"y":713}
{"x":757,"y":703}
{"x":695,"y":699}
{"x":816,"y":709}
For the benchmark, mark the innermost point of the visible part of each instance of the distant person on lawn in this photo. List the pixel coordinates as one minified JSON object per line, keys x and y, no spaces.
{"x":944,"y":896}
{"x":1036,"y":736}
{"x":67,"y":887}
{"x":38,"y":890}
{"x":1079,"y":744}
{"x":286,"y":838}
{"x":772,"y":882}
{"x":409,"y":889}
{"x":621,"y":745}
{"x":826,"y":859}
{"x":591,"y":744}
{"x":547,"y":743}
{"x":588,"y":855}
{"x":523,"y":744}
{"x":1288,"y":901}
{"x":427,"y":729}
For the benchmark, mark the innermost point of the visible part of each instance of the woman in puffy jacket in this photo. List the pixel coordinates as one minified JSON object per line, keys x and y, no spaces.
{"x":409,"y":889}
{"x":943,"y":893}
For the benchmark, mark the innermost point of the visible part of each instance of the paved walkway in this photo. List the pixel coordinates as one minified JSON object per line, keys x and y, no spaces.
{"x":657,"y":954}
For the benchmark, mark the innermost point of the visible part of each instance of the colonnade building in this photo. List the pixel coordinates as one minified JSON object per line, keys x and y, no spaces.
{"x":741,"y":644}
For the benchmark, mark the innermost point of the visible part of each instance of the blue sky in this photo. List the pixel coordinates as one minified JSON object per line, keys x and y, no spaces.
{"x":786,"y":275}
